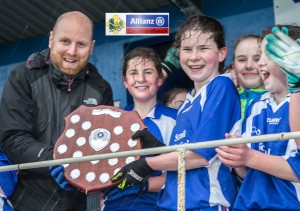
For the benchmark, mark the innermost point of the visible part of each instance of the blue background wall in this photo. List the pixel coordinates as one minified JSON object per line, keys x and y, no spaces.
{"x":238,"y":18}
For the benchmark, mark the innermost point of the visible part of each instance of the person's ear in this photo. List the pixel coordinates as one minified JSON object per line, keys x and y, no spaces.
{"x":222,"y":54}
{"x":160,"y":81}
{"x":125,"y":82}
{"x":50,"y":39}
{"x":234,"y":76}
{"x":92,"y":47}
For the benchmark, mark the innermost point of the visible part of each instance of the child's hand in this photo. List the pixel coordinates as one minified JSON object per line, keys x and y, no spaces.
{"x":234,"y":156}
{"x":286,"y":53}
{"x":136,"y":172}
{"x":227,"y":136}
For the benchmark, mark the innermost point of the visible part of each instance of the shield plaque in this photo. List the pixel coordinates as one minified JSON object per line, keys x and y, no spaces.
{"x":97,"y":130}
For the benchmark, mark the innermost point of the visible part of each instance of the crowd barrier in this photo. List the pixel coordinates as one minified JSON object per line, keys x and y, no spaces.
{"x":152,"y":151}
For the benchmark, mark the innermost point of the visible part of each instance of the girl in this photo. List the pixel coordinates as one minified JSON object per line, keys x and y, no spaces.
{"x":142,"y":75}
{"x":174,"y":97}
{"x":245,"y":58}
{"x":286,"y":53}
{"x":211,"y":109}
{"x":272,"y":179}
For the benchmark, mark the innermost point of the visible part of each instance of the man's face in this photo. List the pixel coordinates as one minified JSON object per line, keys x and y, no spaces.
{"x":71,"y":44}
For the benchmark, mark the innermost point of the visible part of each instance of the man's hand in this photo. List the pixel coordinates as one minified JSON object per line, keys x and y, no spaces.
{"x":147,"y":139}
{"x":285,"y":51}
{"x":58,"y":175}
{"x":171,"y":61}
{"x":136,"y":172}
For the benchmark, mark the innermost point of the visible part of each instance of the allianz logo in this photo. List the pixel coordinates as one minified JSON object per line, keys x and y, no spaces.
{"x":141,"y":21}
{"x":273,"y":121}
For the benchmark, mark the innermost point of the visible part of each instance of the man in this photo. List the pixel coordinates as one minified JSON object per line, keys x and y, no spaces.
{"x":36,"y":98}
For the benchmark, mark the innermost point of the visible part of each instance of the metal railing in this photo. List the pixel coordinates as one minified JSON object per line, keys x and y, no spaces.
{"x":151,"y":151}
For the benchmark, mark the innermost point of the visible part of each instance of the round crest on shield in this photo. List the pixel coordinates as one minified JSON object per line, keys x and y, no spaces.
{"x":97,"y":130}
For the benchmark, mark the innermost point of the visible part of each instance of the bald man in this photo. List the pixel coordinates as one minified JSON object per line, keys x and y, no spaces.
{"x":37,"y":96}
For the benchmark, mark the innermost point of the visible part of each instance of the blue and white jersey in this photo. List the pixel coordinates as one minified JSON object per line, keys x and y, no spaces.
{"x":206,"y":115}
{"x":8,"y":182}
{"x":8,"y":179}
{"x":5,"y":204}
{"x":260,"y":190}
{"x":160,"y":122}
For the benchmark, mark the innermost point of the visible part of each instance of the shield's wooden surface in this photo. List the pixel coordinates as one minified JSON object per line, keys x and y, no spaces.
{"x":97,"y":130}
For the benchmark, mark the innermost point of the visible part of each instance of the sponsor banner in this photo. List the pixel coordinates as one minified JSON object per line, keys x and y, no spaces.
{"x":156,"y":31}
{"x":137,"y":24}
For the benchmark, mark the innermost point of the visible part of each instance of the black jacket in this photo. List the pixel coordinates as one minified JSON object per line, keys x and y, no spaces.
{"x":35,"y":99}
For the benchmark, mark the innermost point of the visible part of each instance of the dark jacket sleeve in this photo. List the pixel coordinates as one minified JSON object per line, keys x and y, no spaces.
{"x":102,"y":86}
{"x":108,"y":96}
{"x":17,"y":117}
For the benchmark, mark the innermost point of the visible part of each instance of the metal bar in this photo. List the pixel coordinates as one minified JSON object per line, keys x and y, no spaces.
{"x":152,"y":151}
{"x":181,"y":180}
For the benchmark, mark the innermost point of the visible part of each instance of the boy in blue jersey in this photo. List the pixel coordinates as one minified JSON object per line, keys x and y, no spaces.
{"x":271,"y":169}
{"x":211,"y":109}
{"x":142,"y":76}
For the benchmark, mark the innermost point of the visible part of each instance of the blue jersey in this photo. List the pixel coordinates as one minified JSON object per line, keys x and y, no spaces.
{"x":160,"y":122}
{"x":206,"y":115}
{"x":8,"y":179}
{"x":8,"y":182}
{"x":260,"y":190}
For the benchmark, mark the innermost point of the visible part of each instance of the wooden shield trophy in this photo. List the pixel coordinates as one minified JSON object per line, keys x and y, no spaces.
{"x":97,"y":130}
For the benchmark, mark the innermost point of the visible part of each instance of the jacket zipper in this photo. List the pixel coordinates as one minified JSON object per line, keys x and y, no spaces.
{"x":70,"y":81}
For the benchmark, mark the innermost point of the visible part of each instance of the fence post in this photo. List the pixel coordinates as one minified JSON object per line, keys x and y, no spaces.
{"x":181,"y":179}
